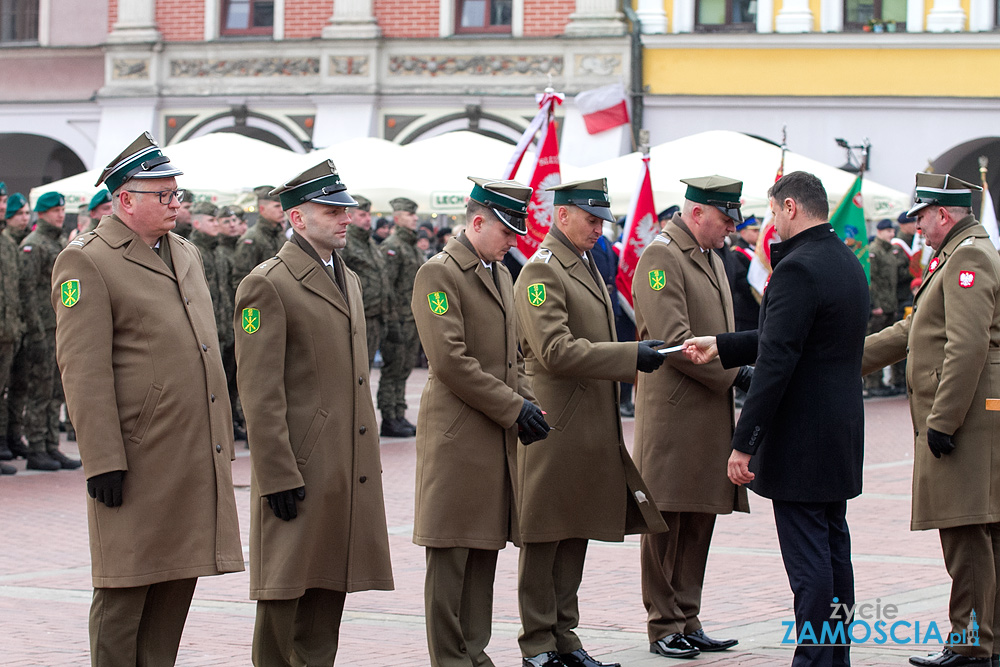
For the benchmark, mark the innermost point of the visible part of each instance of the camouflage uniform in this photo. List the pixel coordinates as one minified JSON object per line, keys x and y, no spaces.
{"x":218,"y":284}
{"x":10,"y":323}
{"x":904,"y":297}
{"x":363,"y":256}
{"x":402,"y":259}
{"x":882,"y":288}
{"x":260,"y":242}
{"x":12,"y":419}
{"x":224,"y":262}
{"x":44,"y":396}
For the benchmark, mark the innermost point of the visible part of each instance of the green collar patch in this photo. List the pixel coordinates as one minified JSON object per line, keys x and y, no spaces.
{"x":251,"y":320}
{"x":536,"y":294}
{"x":657,"y":280}
{"x":70,"y":293}
{"x":438,"y":302}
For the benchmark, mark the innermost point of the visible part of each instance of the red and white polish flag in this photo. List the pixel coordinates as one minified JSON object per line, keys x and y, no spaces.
{"x":603,"y":108}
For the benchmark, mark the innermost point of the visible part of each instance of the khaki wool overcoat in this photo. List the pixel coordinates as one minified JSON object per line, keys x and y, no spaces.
{"x":684,"y":416}
{"x":580,"y":482}
{"x":302,"y":371}
{"x":951,"y":344}
{"x":466,"y":429}
{"x":146,"y":391}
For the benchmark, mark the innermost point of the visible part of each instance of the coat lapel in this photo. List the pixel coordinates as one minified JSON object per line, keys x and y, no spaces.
{"x":114,"y":232}
{"x":460,"y":249}
{"x":313,"y":277}
{"x":682,"y":237}
{"x":180,"y":259}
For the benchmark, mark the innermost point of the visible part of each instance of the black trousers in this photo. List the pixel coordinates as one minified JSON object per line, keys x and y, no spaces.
{"x":816,"y":549}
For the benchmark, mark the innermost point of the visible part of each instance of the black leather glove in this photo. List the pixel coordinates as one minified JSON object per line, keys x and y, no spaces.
{"x":393,"y":332}
{"x":649,"y":359}
{"x":743,"y":378}
{"x":283,"y":503}
{"x":531,"y":424}
{"x":939,"y":443}
{"x":107,"y":487}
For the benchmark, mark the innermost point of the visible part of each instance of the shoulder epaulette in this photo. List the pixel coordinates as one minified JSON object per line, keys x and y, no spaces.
{"x":662,"y":238}
{"x":968,"y":241}
{"x":543,"y":255}
{"x":82,"y":240}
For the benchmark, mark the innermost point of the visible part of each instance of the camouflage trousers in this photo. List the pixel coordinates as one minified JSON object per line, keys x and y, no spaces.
{"x":399,"y":360}
{"x":44,"y":395}
{"x":8,"y":349}
{"x":875,"y":324}
{"x":373,"y":332}
{"x":229,"y":365}
{"x":15,"y":397}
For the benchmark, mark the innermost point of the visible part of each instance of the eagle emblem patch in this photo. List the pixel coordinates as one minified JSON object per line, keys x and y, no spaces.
{"x":966,"y":279}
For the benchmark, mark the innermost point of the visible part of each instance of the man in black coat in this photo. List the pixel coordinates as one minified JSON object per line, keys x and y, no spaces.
{"x":800,"y":439}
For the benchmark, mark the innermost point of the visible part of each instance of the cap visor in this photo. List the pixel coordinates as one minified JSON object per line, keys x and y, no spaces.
{"x":517,"y":225}
{"x":602,"y":212}
{"x":917,"y":207}
{"x":336,"y":199}
{"x":728,"y":212}
{"x":165,"y":170}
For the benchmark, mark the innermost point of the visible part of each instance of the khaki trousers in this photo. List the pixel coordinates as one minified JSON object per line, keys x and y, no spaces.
{"x":548,"y":578}
{"x":458,"y":606}
{"x":139,"y":626}
{"x":972,"y":556}
{"x":673,"y":573}
{"x":300,"y":632}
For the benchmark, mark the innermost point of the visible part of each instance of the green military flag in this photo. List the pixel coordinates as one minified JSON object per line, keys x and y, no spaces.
{"x":848,"y":221}
{"x":251,"y":320}
{"x":70,"y":293}
{"x":438,"y":301}
{"x":536,"y":294}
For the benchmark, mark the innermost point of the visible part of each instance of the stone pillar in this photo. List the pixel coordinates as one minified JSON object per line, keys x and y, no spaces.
{"x":654,"y":19}
{"x":352,"y":19}
{"x":765,"y":16}
{"x":946,"y":16}
{"x":594,"y":18}
{"x":915,"y":16}
{"x":136,"y":23}
{"x":795,"y":16}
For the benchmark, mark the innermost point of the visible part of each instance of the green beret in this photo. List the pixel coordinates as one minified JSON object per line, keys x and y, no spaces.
{"x":591,"y":196}
{"x":3,"y":189}
{"x":364,"y":203}
{"x":320,"y":184}
{"x":403,"y":204}
{"x":941,"y":190}
{"x":14,"y":204}
{"x":263,"y":192}
{"x":205,"y":208}
{"x":507,"y":199}
{"x":49,"y":200}
{"x":102,"y":197}
{"x":142,"y":159}
{"x":719,"y":191}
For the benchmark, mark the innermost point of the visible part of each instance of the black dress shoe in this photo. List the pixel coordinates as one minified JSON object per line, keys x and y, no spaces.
{"x":42,"y":461}
{"x":7,"y":469}
{"x":65,"y":462}
{"x":392,"y":428}
{"x":948,"y":658}
{"x":549,"y":659}
{"x":5,"y":453}
{"x":626,"y":409}
{"x":580,"y":658}
{"x":674,"y":646}
{"x":703,"y":642}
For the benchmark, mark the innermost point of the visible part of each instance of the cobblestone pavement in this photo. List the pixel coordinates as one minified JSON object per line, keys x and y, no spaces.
{"x":45,"y":587}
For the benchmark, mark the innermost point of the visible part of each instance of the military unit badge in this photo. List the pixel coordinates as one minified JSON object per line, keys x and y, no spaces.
{"x":70,"y":293}
{"x":536,"y":294}
{"x":657,"y":279}
{"x":251,"y":320}
{"x":438,"y":301}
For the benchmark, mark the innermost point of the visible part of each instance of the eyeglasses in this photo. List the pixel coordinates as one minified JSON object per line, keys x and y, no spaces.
{"x":166,"y":196}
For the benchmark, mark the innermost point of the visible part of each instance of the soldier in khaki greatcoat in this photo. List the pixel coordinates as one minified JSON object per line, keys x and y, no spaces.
{"x":138,"y":350}
{"x":684,"y":413}
{"x":363,"y":256}
{"x":581,"y":483}
{"x":317,"y":517}
{"x":475,"y":401}
{"x":951,"y":343}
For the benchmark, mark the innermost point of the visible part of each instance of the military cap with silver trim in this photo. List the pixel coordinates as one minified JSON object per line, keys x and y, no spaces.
{"x":320,"y":184}
{"x":507,"y":199}
{"x":142,"y":159}
{"x":591,"y":196}
{"x":719,"y":191}
{"x":941,"y":190}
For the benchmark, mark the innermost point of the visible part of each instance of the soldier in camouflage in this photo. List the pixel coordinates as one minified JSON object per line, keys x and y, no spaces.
{"x":44,"y":401}
{"x":909,"y":268}
{"x":10,"y":319}
{"x":363,"y":256}
{"x":182,"y":226}
{"x":231,"y":227}
{"x":263,"y":240}
{"x":205,"y":237}
{"x":12,"y":412}
{"x":882,"y":288}
{"x":399,"y":348}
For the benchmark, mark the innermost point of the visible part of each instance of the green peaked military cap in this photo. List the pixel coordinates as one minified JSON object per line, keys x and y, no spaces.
{"x":719,"y":191}
{"x":941,"y":190}
{"x":320,"y":184}
{"x":507,"y":199}
{"x":102,"y":197}
{"x":591,"y":196}
{"x":142,"y":159}
{"x":364,"y":203}
{"x":403,"y":204}
{"x":49,"y":200}
{"x":14,"y":204}
{"x":205,"y":208}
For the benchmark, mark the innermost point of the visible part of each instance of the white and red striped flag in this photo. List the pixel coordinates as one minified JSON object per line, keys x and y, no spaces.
{"x":603,"y":108}
{"x":641,"y":226}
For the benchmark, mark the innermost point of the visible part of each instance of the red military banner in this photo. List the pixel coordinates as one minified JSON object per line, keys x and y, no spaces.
{"x":641,"y":226}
